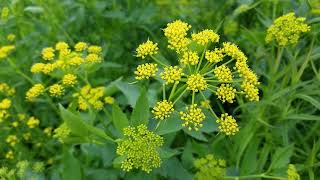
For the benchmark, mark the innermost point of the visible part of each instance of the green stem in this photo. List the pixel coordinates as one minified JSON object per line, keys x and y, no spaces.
{"x":180,"y":96}
{"x":255,"y":176}
{"x":164,"y":91}
{"x":277,"y":63}
{"x":193,"y":96}
{"x":210,"y":108}
{"x":200,"y":62}
{"x":158,"y":61}
{"x":173,"y":90}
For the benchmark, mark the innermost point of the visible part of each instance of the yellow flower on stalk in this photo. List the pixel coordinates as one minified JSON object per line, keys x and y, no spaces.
{"x":56,"y":90}
{"x":233,"y":51}
{"x":62,"y":46}
{"x":11,"y":37}
{"x":6,"y":89}
{"x":214,"y":56}
{"x":15,"y":124}
{"x":287,"y":29}
{"x":48,"y":68}
{"x":251,"y":91}
{"x":171,"y":74}
{"x":4,"y":13}
{"x":196,"y":82}
{"x":209,"y":167}
{"x":176,"y":33}
{"x":140,"y":149}
{"x":292,"y":173}
{"x":226,"y":93}
{"x":80,"y":46}
{"x":93,"y":58}
{"x":205,"y":36}
{"x":12,"y":140}
{"x":223,"y":73}
{"x":37,"y":67}
{"x":5,"y":51}
{"x":33,"y":122}
{"x":5,"y":104}
{"x":47,"y":53}
{"x":145,"y":71}
{"x":193,"y":117}
{"x":190,"y":57}
{"x":26,"y":136}
{"x":62,"y":132}
{"x":109,"y":100}
{"x":34,"y":92}
{"x":227,"y":124}
{"x":95,"y":49}
{"x":48,"y":131}
{"x":89,"y":96}
{"x":147,"y":48}
{"x":9,"y":155}
{"x":162,"y":110}
{"x":69,"y":80}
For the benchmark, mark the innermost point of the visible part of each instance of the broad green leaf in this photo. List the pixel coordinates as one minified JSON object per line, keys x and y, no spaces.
{"x":140,"y":114}
{"x":131,"y":92}
{"x":167,"y":153}
{"x":71,"y":167}
{"x":196,"y":134}
{"x":74,"y":122}
{"x":170,"y":125}
{"x":281,"y":158}
{"x":119,"y":119}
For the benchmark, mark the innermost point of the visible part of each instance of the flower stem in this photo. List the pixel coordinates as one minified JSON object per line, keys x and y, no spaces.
{"x":180,"y":96}
{"x":210,"y":108}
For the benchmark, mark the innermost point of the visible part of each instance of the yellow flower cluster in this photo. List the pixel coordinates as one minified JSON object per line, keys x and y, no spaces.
{"x":63,"y":58}
{"x":62,"y":132}
{"x":205,"y":36}
{"x":56,"y":90}
{"x":193,"y":117}
{"x":227,"y":124}
{"x":209,"y":167}
{"x":69,"y":80}
{"x":10,"y":155}
{"x":6,"y":89}
{"x":5,"y":104}
{"x":214,"y":56}
{"x":12,"y":140}
{"x":89,"y":96}
{"x":287,"y":29}
{"x":226,"y":93}
{"x":292,"y":173}
{"x":140,"y":149}
{"x":196,"y":82}
{"x":33,"y":122}
{"x":11,"y":37}
{"x":145,"y":71}
{"x":4,"y":13}
{"x":109,"y":100}
{"x":190,"y":57}
{"x":147,"y":48}
{"x":34,"y":92}
{"x":5,"y":51}
{"x":176,"y":33}
{"x":163,"y":109}
{"x":171,"y":74}
{"x":223,"y":73}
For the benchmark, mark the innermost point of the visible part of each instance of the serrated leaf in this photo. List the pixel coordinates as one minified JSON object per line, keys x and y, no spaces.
{"x":140,"y":114}
{"x":119,"y":119}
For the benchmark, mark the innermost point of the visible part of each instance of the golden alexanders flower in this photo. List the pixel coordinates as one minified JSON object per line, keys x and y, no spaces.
{"x":140,"y":149}
{"x":5,"y":104}
{"x":81,"y":46}
{"x":163,"y":109}
{"x":292,"y":173}
{"x":6,"y":50}
{"x":34,"y":92}
{"x":12,"y":140}
{"x":210,"y":167}
{"x":193,"y":117}
{"x":171,"y":74}
{"x":69,"y":80}
{"x":205,"y":36}
{"x":196,"y":82}
{"x":6,"y":90}
{"x":145,"y":71}
{"x":62,"y":132}
{"x":176,"y":33}
{"x":147,"y":49}
{"x":287,"y":29}
{"x":221,"y":71}
{"x":48,"y":53}
{"x":227,"y":125}
{"x":89,"y":96}
{"x":56,"y":90}
{"x":33,"y":122}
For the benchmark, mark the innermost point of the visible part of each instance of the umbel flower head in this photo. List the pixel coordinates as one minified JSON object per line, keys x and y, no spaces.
{"x":202,"y":68}
{"x":287,"y":29}
{"x":147,"y":48}
{"x":227,"y":125}
{"x":140,"y":149}
{"x":90,"y":97}
{"x":209,"y":167}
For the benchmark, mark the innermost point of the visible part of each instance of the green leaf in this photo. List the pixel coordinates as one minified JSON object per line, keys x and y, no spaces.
{"x":71,"y":167}
{"x":170,"y":125}
{"x":140,"y":114}
{"x":196,"y":134}
{"x":117,"y":161}
{"x":74,"y":122}
{"x":167,"y":153}
{"x":309,"y":99}
{"x":131,"y":92}
{"x":303,"y":117}
{"x":119,"y":119}
{"x":281,"y":158}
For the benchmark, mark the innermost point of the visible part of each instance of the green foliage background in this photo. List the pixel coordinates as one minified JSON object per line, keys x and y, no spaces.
{"x":283,"y":127}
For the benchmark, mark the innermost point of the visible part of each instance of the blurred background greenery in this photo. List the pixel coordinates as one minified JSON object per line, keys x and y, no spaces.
{"x":283,"y":127}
